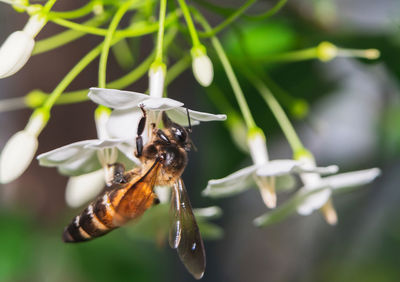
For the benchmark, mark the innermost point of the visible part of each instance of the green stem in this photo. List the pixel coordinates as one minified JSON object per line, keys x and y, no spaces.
{"x":226,"y":12}
{"x":83,"y":11}
{"x":244,"y":108}
{"x":120,"y":83}
{"x":82,"y":64}
{"x":160,"y":35}
{"x":65,"y":37}
{"x":229,"y":20}
{"x":48,"y":6}
{"x":275,"y":9}
{"x":129,"y":32}
{"x":293,"y":56}
{"x":278,"y":112}
{"x":107,"y":41}
{"x":123,"y":82}
{"x":190,"y":24}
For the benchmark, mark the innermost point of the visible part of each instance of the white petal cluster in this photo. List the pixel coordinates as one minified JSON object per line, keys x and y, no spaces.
{"x":87,"y":161}
{"x":18,"y":47}
{"x":322,"y":189}
{"x":264,"y":174}
{"x":243,"y":179}
{"x":77,"y":158}
{"x":304,"y":197}
{"x":126,"y":114}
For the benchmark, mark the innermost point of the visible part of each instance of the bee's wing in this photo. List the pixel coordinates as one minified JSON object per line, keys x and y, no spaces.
{"x":184,"y":232}
{"x":136,"y":197}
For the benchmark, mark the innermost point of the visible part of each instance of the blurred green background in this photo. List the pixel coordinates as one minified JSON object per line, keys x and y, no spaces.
{"x":347,"y":111}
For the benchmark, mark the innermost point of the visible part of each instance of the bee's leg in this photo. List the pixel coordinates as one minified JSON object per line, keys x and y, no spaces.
{"x":117,"y":174}
{"x":140,"y":129}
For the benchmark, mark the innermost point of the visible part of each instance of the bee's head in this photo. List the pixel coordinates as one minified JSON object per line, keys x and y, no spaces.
{"x":177,"y":132}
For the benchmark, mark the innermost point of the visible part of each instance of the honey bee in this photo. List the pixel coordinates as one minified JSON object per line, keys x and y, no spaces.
{"x":163,"y":161}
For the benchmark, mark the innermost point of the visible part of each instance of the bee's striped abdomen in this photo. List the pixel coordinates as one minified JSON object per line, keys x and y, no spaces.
{"x":114,"y":208}
{"x":96,"y":220}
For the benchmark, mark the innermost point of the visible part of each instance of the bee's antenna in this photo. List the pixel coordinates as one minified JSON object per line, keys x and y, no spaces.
{"x":190,"y":124}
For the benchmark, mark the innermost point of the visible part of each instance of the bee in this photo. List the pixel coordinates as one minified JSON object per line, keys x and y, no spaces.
{"x":163,"y":161}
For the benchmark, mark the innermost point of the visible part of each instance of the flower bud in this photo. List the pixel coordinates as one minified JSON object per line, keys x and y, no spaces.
{"x":17,"y":155}
{"x":202,"y":66}
{"x":18,"y":47}
{"x":20,"y":149}
{"x":157,"y":77}
{"x":15,"y":52}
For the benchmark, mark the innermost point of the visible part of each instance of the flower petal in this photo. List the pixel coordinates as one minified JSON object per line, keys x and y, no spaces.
{"x":179,"y":115}
{"x":314,"y":202}
{"x":83,"y":188}
{"x":17,"y":155}
{"x":101,"y":144}
{"x":116,"y":99}
{"x":72,"y":159}
{"x":320,"y":170}
{"x":282,"y":167}
{"x":160,"y":104}
{"x":233,"y":184}
{"x":277,"y":167}
{"x":350,"y":179}
{"x":212,"y":212}
{"x":123,"y":124}
{"x":285,"y":183}
{"x":286,"y":209}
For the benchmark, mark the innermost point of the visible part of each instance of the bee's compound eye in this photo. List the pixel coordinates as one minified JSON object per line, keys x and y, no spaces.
{"x":180,"y":134}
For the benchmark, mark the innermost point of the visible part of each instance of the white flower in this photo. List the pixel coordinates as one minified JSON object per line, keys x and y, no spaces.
{"x":202,"y":66}
{"x":117,"y":131}
{"x":321,"y":200}
{"x":335,"y":183}
{"x":17,"y":49}
{"x":81,"y":157}
{"x":318,"y":200}
{"x":20,"y":149}
{"x":263,"y":173}
{"x":156,"y":80}
{"x":126,"y":114}
{"x":87,"y":162}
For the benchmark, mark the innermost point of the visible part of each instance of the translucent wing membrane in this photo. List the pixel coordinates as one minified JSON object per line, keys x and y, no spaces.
{"x":184,"y":232}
